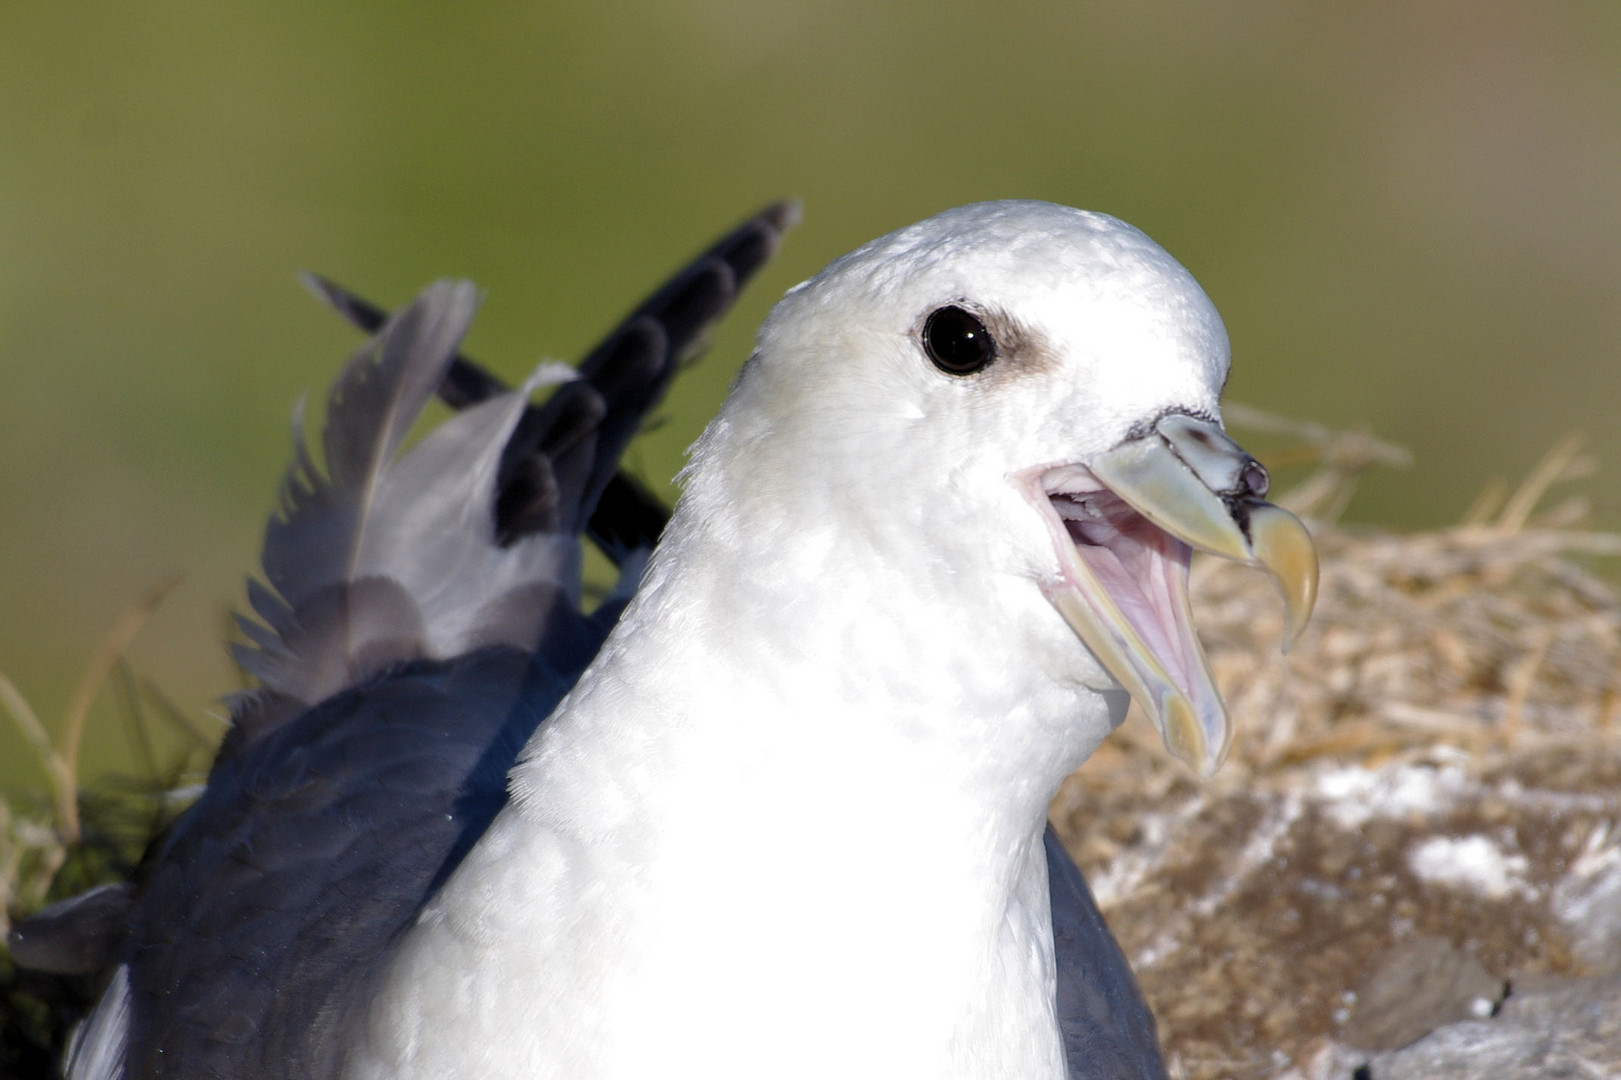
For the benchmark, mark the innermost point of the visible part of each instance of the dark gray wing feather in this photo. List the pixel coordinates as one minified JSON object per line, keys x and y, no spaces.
{"x":275,"y":906}
{"x":1107,"y":1028}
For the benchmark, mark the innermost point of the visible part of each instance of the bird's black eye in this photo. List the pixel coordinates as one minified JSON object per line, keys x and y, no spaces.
{"x":957,"y":341}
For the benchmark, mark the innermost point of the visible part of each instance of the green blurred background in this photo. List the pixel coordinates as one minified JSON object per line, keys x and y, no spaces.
{"x":1409,"y":215}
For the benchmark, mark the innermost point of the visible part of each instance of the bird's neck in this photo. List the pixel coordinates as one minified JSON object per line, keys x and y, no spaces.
{"x":809,"y":803}
{"x":829,"y":797}
{"x":816,"y":687}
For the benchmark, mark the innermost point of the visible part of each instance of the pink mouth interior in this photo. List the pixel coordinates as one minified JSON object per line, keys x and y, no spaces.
{"x":1144,"y":570}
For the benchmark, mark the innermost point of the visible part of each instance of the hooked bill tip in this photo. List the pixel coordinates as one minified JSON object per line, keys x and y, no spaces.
{"x":1283,"y":546}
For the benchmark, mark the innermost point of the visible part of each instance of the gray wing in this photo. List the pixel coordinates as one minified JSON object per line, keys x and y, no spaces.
{"x":1106,"y":1026}
{"x":403,"y":665}
{"x":276,"y":903}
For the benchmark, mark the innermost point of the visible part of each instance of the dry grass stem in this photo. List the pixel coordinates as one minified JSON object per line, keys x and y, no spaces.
{"x":63,"y":785}
{"x":33,"y":851}
{"x":71,"y":737}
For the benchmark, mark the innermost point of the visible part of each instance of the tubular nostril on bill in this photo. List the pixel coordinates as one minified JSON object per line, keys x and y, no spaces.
{"x":1253,"y":481}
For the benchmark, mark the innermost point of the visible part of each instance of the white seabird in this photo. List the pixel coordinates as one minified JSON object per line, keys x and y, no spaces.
{"x":789,"y":820}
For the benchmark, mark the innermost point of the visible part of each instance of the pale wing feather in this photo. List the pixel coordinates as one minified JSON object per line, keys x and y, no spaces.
{"x":96,"y":1051}
{"x":433,"y":529}
{"x":316,"y":538}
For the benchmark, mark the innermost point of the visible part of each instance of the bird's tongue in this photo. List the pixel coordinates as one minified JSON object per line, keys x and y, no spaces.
{"x":1144,"y":570}
{"x":1124,"y":590}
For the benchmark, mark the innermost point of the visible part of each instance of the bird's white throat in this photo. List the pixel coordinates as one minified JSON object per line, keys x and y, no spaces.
{"x":810,"y":822}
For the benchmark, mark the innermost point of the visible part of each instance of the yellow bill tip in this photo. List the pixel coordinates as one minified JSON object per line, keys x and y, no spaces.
{"x":1283,"y":547}
{"x":1190,"y":739}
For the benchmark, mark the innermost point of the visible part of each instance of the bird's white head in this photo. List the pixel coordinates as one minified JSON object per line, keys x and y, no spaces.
{"x":1018,"y":400}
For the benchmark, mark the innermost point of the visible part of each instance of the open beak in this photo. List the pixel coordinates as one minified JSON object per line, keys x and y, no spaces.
{"x":1124,"y":526}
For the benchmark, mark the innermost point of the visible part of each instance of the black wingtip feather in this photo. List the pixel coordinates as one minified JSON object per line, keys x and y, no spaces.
{"x":685,"y":307}
{"x":629,"y":518}
{"x":362,"y":313}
